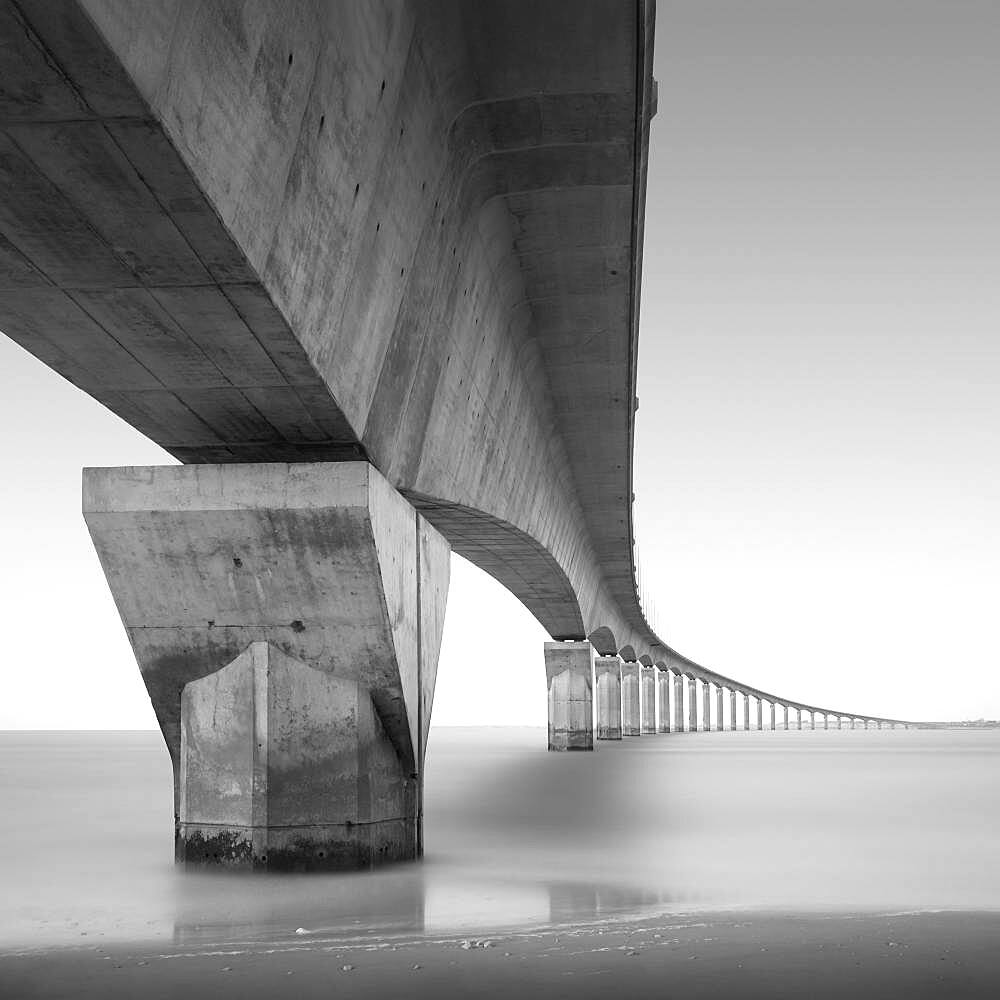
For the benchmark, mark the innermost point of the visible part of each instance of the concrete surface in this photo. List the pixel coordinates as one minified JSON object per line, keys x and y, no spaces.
{"x":407,"y":232}
{"x":664,"y":716}
{"x":647,"y":701}
{"x":313,"y":587}
{"x":569,"y":672}
{"x":608,"y":673}
{"x":631,"y":709}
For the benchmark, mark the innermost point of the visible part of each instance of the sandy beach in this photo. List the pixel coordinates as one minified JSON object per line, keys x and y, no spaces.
{"x":912,"y":955}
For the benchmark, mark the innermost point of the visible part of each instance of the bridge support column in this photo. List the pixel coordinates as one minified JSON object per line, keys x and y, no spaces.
{"x":678,"y":703}
{"x":608,"y":674}
{"x":569,"y":672}
{"x":647,"y":700}
{"x":746,"y":712}
{"x":773,"y":713}
{"x":785,"y":707}
{"x":718,"y":708}
{"x":631,"y":705}
{"x":692,"y":705}
{"x":287,"y":621}
{"x":732,"y":708}
{"x":812,"y":721}
{"x":826,"y":721}
{"x":706,"y":706}
{"x":798,"y":719}
{"x":663,"y":696}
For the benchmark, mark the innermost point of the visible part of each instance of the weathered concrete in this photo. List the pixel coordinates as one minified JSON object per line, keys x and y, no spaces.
{"x":406,"y":232}
{"x":608,"y":673}
{"x":647,"y":701}
{"x":569,"y":672}
{"x":785,"y":707}
{"x":706,"y":706}
{"x":746,"y":712}
{"x":631,"y":713}
{"x":678,"y":702}
{"x":773,"y":713}
{"x":287,"y":621}
{"x":692,"y":695}
{"x":663,"y":685}
{"x":760,"y":715}
{"x":732,"y":709}
{"x":719,"y":719}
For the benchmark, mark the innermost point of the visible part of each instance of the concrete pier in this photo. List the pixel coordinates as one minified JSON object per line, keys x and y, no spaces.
{"x":760,"y":715}
{"x":608,"y":685}
{"x":798,"y":719}
{"x":678,"y":702}
{"x":692,"y":704}
{"x":785,"y":707}
{"x":706,"y":706}
{"x":647,"y":700}
{"x":746,"y":712}
{"x":732,"y":709}
{"x":719,"y":721}
{"x":287,"y":621}
{"x":826,"y":721}
{"x":773,"y":713}
{"x":663,"y":719}
{"x":812,"y":721}
{"x":631,"y":717}
{"x":569,"y":671}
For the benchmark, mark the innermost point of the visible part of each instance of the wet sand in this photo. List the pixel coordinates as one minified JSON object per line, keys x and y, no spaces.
{"x":941,"y":955}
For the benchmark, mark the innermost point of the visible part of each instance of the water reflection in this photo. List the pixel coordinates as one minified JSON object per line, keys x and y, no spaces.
{"x":518,"y":837}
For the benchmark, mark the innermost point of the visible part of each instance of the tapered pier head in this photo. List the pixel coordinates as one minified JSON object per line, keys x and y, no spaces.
{"x":569,"y":673}
{"x":647,"y":700}
{"x":663,"y":685}
{"x":287,"y":621}
{"x":608,"y":681}
{"x":631,"y":712}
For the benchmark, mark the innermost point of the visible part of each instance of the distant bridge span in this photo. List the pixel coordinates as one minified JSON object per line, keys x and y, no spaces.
{"x":403,"y":234}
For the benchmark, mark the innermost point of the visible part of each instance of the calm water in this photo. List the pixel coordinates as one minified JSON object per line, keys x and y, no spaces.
{"x":519,"y":837}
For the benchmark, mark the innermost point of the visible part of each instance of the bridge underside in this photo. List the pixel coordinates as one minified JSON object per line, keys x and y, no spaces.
{"x":396,"y":246}
{"x":407,"y":233}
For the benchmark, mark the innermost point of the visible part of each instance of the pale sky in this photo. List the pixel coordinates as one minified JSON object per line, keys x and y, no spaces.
{"x":817,"y":465}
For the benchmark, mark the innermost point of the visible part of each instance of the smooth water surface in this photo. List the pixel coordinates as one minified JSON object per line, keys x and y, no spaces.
{"x":516,"y":836}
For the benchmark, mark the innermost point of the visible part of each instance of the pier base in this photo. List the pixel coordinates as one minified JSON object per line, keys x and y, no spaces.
{"x":631,"y":718}
{"x":608,"y":673}
{"x":569,"y":673}
{"x":287,"y":621}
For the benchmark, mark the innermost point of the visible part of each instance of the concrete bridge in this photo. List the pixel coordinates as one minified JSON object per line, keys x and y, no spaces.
{"x":371,"y":271}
